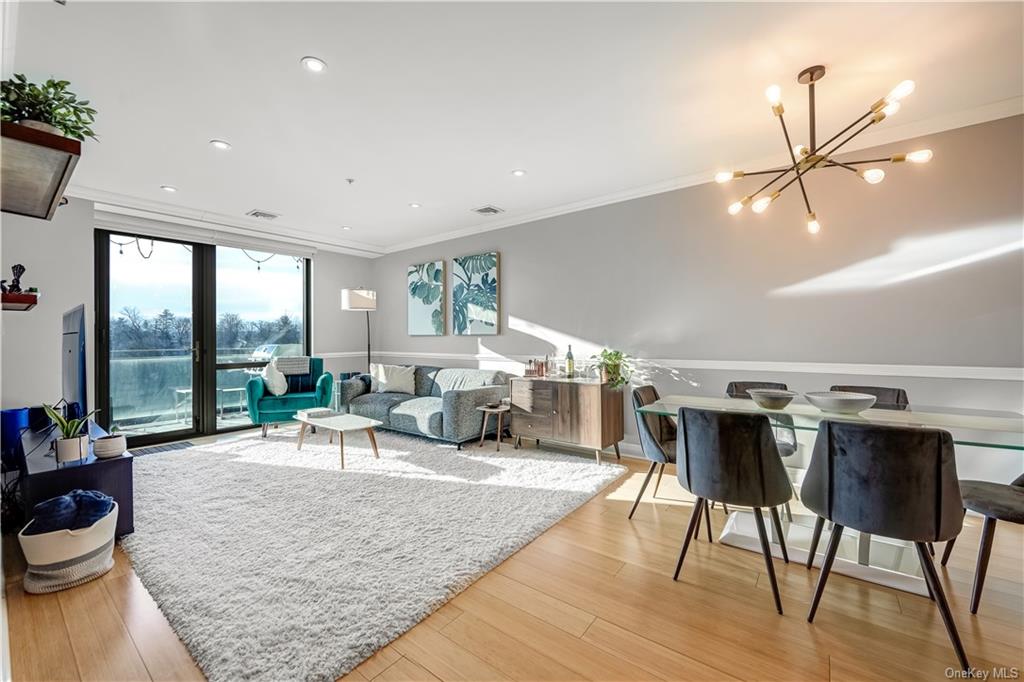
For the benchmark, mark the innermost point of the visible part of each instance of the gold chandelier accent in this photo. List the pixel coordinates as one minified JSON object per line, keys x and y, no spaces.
{"x":814,"y":156}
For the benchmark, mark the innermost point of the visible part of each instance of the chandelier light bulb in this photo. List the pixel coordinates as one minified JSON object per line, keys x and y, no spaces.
{"x":722,"y":177}
{"x":920,"y":156}
{"x":891,"y":108}
{"x":800,"y":150}
{"x":900,"y":91}
{"x":774,"y":94}
{"x":812,"y":224}
{"x":737,"y":206}
{"x":872,"y":176}
{"x":761,"y":204}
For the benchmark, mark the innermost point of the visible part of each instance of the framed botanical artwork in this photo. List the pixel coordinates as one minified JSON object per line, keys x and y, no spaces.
{"x":426,"y":299}
{"x":475,"y":294}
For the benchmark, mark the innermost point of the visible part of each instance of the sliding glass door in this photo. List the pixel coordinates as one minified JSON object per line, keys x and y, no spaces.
{"x":261,"y":315}
{"x":182,"y":327}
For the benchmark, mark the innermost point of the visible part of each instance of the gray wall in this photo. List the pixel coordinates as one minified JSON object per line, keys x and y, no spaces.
{"x":674,"y":279}
{"x":339,"y":336}
{"x":58,"y":257}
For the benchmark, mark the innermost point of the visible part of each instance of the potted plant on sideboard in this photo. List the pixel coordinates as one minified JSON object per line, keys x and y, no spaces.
{"x":72,"y":444}
{"x":614,"y":367}
{"x":49,"y":106}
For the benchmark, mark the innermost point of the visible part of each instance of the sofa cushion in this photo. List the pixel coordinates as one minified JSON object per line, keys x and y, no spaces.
{"x":392,"y":379}
{"x":289,"y":402}
{"x":425,"y":376}
{"x":376,"y":405}
{"x":456,"y":378}
{"x":418,"y":415}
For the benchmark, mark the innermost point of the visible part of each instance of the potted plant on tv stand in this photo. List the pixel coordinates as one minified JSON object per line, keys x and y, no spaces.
{"x":72,"y":444}
{"x":614,"y":367}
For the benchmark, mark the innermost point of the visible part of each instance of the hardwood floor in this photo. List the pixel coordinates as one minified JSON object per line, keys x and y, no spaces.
{"x":591,"y":598}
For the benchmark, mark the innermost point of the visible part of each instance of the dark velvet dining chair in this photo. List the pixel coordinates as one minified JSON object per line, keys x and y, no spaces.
{"x":996,"y":502}
{"x":894,"y":481}
{"x":658,"y":442}
{"x":886,"y":398}
{"x":732,"y":458}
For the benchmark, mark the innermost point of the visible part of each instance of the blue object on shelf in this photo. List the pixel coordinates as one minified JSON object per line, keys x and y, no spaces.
{"x":12,"y":423}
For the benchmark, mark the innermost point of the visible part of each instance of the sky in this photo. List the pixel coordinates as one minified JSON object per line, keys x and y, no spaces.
{"x":164,"y":281}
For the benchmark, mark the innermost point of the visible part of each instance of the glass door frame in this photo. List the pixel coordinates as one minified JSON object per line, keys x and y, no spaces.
{"x":204,"y":338}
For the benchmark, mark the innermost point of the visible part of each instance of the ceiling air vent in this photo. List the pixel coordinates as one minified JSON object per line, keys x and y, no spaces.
{"x":262,"y":215}
{"x":488,"y":210}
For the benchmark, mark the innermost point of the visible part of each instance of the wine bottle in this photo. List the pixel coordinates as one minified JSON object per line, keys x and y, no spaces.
{"x":570,"y":364}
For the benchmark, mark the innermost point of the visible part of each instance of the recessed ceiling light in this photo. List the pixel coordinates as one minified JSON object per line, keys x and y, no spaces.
{"x":345,"y":227}
{"x":519,"y":172}
{"x":314,"y":64}
{"x":223,"y":145}
{"x":169,"y":188}
{"x":414,"y":205}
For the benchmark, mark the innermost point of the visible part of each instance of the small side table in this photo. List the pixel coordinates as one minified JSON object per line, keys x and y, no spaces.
{"x":499,"y":412}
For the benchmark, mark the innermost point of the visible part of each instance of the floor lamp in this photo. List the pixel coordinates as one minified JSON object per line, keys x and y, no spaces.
{"x":361,"y":300}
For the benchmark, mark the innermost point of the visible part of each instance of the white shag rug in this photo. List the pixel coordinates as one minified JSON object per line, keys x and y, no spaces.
{"x":274,"y":564}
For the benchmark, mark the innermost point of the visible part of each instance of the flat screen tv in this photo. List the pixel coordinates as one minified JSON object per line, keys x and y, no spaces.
{"x":73,"y":362}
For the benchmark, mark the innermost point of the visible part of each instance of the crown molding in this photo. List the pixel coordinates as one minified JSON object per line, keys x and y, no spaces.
{"x":244,"y":226}
{"x":156,"y":210}
{"x":960,"y":119}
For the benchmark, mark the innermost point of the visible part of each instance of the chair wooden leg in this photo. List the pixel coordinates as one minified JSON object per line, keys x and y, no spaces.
{"x":617,"y":454}
{"x":707,"y":519}
{"x":691,"y":528}
{"x":819,"y":523}
{"x":647,"y":480}
{"x":264,"y":429}
{"x":948,"y":550}
{"x":725,"y":507}
{"x":932,"y":577}
{"x":949,"y":547}
{"x":766,"y":550}
{"x":777,"y":522}
{"x":988,"y":532}
{"x":657,"y":481}
{"x":826,"y":568}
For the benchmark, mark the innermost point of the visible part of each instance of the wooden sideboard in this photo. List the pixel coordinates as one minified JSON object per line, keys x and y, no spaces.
{"x":582,"y":412}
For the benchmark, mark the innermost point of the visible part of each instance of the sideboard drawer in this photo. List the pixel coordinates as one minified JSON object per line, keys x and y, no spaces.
{"x":532,"y":426}
{"x":532,"y":397}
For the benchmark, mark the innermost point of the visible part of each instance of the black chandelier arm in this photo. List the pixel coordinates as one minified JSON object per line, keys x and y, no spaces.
{"x":792,"y":156}
{"x":767,"y":172}
{"x":844,"y":130}
{"x":838,"y":164}
{"x":887,"y":159}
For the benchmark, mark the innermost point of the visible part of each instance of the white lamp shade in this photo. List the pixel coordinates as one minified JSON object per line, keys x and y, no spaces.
{"x":358,"y":299}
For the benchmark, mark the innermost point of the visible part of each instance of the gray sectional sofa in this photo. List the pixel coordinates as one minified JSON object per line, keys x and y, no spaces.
{"x":444,"y":406}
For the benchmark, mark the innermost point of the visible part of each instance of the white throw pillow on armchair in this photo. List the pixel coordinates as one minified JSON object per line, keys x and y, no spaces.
{"x":274,"y":380}
{"x":392,"y":379}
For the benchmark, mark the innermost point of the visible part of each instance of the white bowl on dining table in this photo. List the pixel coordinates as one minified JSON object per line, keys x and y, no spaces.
{"x":771,"y":398}
{"x":840,"y":402}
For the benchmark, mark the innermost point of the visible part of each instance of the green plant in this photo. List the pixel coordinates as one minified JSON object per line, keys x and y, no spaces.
{"x":69,"y":428}
{"x":50,"y":102}
{"x":614,"y":365}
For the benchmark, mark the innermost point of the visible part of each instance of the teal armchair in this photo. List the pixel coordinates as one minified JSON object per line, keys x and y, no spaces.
{"x":305,"y":391}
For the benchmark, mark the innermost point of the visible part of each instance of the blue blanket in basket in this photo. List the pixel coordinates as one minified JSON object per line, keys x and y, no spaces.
{"x":77,"y":509}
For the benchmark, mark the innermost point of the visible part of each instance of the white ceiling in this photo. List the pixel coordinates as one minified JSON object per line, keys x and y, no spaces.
{"x":437,"y":103}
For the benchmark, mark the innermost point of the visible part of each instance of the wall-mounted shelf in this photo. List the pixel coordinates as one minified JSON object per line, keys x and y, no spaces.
{"x":20,"y":301}
{"x":36,"y":168}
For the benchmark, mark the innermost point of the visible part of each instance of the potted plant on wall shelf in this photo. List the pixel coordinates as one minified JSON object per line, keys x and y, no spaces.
{"x":614,"y":366}
{"x":49,"y":107}
{"x":72,"y":444}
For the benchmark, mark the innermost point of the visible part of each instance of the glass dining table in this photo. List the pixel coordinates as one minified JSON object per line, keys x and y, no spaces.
{"x":885,"y":561}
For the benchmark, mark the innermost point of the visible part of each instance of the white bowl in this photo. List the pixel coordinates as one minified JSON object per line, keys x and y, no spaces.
{"x":840,"y":402}
{"x":107,"y":447}
{"x":771,"y":398}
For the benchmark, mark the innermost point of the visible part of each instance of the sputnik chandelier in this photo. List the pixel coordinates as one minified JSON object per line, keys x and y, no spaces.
{"x":813,"y":156}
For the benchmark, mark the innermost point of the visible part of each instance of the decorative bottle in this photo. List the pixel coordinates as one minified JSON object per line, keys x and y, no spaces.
{"x":570,"y":364}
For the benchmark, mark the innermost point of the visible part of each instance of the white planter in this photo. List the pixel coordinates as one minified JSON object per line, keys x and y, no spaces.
{"x":70,"y":449}
{"x":109,"y":446}
{"x":45,"y":127}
